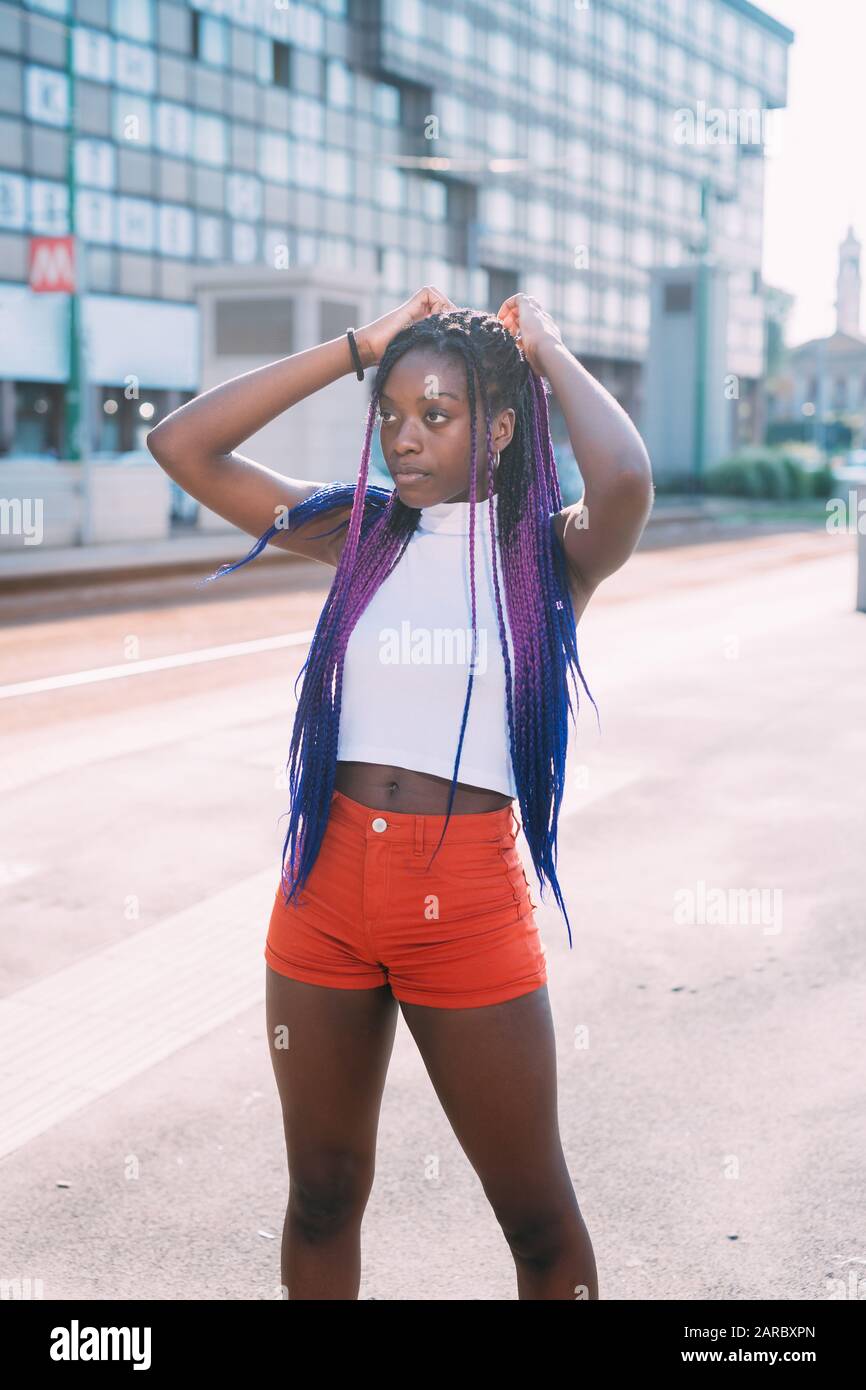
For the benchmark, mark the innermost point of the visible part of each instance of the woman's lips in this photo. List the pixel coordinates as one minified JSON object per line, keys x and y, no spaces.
{"x":409,"y":476}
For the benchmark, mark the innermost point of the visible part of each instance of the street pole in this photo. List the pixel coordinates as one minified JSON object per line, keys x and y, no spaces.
{"x":701,"y":346}
{"x":77,"y":400}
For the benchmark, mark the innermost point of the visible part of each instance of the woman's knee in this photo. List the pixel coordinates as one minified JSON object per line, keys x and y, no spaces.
{"x":329,"y":1191}
{"x":537,"y":1231}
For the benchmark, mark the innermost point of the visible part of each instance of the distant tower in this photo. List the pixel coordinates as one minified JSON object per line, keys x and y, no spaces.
{"x":848,"y":286}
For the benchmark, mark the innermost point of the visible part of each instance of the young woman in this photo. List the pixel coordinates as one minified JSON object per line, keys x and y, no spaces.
{"x":442,"y":651}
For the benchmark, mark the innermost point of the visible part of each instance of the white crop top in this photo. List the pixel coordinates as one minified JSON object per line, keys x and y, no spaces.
{"x":406,"y":666}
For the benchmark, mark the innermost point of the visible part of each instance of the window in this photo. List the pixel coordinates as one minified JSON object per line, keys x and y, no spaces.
{"x":678,"y":297}
{"x":639,"y":313}
{"x":338,"y":84}
{"x":453,"y":122}
{"x":610,"y":240}
{"x":642,"y":247}
{"x":646,"y":184}
{"x":210,"y":238}
{"x":38,"y":413}
{"x":646,"y":111}
{"x":132,"y":119}
{"x":613,"y":32}
{"x":776,"y":61}
{"x":542,"y":146}
{"x":675,"y":65}
{"x":501,"y":55}
{"x":136,"y":224}
{"x":46,"y":95}
{"x":94,"y":216}
{"x":647,"y":50}
{"x":245,"y":243}
{"x":133,"y":19}
{"x":175,"y":232}
{"x":612,"y":307}
{"x":92,"y":54}
{"x":703,"y":14}
{"x":613,"y":100}
{"x":173,"y":128}
{"x":701,"y":80}
{"x":613,"y":171}
{"x":577,"y":236}
{"x":730,"y":32}
{"x":458,"y":36}
{"x":339,"y":173}
{"x":577,"y":300}
{"x":497,"y":209}
{"x":94,"y":163}
{"x":280,"y":65}
{"x":671,"y":192}
{"x":213,"y":41}
{"x":276,"y":247}
{"x":274,"y":161}
{"x":389,"y":188}
{"x":386,"y":102}
{"x":435,"y":199}
{"x":49,"y":207}
{"x":309,"y":164}
{"x":540,"y":220}
{"x":210,"y":138}
{"x":579,"y":157}
{"x":501,"y":133}
{"x":542,"y":70}
{"x":243,"y":197}
{"x":405,"y":15}
{"x":308,"y":118}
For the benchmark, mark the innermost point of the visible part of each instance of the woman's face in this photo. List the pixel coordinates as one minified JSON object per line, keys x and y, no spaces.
{"x":425,"y":432}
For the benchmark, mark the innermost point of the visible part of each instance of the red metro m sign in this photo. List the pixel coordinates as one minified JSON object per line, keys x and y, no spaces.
{"x":52,"y":264}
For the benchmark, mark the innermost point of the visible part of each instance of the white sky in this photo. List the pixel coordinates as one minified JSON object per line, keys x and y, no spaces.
{"x":816,"y":179}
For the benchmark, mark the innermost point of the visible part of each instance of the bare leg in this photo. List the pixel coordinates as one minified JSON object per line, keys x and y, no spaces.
{"x":494,"y":1070}
{"x":330,"y":1079}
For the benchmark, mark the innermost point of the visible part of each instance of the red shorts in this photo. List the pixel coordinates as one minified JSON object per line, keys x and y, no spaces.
{"x":456,"y":935}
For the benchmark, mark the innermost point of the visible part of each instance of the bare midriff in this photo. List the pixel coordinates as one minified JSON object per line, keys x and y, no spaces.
{"x":419,"y":793}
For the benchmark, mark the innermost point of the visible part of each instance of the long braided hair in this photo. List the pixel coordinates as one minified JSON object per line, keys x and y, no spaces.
{"x":534,"y":580}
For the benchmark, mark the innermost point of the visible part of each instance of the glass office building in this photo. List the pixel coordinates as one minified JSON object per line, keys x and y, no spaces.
{"x":485,"y":146}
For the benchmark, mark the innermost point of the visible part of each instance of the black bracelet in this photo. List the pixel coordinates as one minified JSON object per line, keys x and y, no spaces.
{"x":356,"y":356}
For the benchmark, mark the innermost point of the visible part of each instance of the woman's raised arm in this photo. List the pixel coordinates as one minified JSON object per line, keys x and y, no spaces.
{"x":197,"y":444}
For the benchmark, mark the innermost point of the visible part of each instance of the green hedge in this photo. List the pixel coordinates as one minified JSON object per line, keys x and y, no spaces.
{"x":770,"y":473}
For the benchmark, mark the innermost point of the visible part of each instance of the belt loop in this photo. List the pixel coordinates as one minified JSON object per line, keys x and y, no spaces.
{"x":518,"y":823}
{"x":419,"y":834}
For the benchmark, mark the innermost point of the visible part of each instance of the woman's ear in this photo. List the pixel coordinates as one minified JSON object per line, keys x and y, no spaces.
{"x":507,"y":421}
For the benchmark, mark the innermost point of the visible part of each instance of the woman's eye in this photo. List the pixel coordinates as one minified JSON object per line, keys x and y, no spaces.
{"x":382,"y":414}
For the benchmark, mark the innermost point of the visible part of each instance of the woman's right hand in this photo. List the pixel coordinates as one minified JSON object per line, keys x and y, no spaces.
{"x":373,"y":339}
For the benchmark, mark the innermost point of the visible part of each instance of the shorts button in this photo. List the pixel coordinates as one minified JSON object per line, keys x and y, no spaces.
{"x":380,"y":823}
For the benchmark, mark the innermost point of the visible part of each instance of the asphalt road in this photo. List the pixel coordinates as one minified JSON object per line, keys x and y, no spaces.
{"x":711,"y":1099}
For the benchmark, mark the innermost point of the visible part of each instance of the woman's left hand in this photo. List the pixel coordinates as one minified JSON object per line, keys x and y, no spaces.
{"x":531,"y":325}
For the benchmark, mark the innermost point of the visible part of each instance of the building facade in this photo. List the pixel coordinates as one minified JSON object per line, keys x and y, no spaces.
{"x":819,"y":393}
{"x":485,"y":146}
